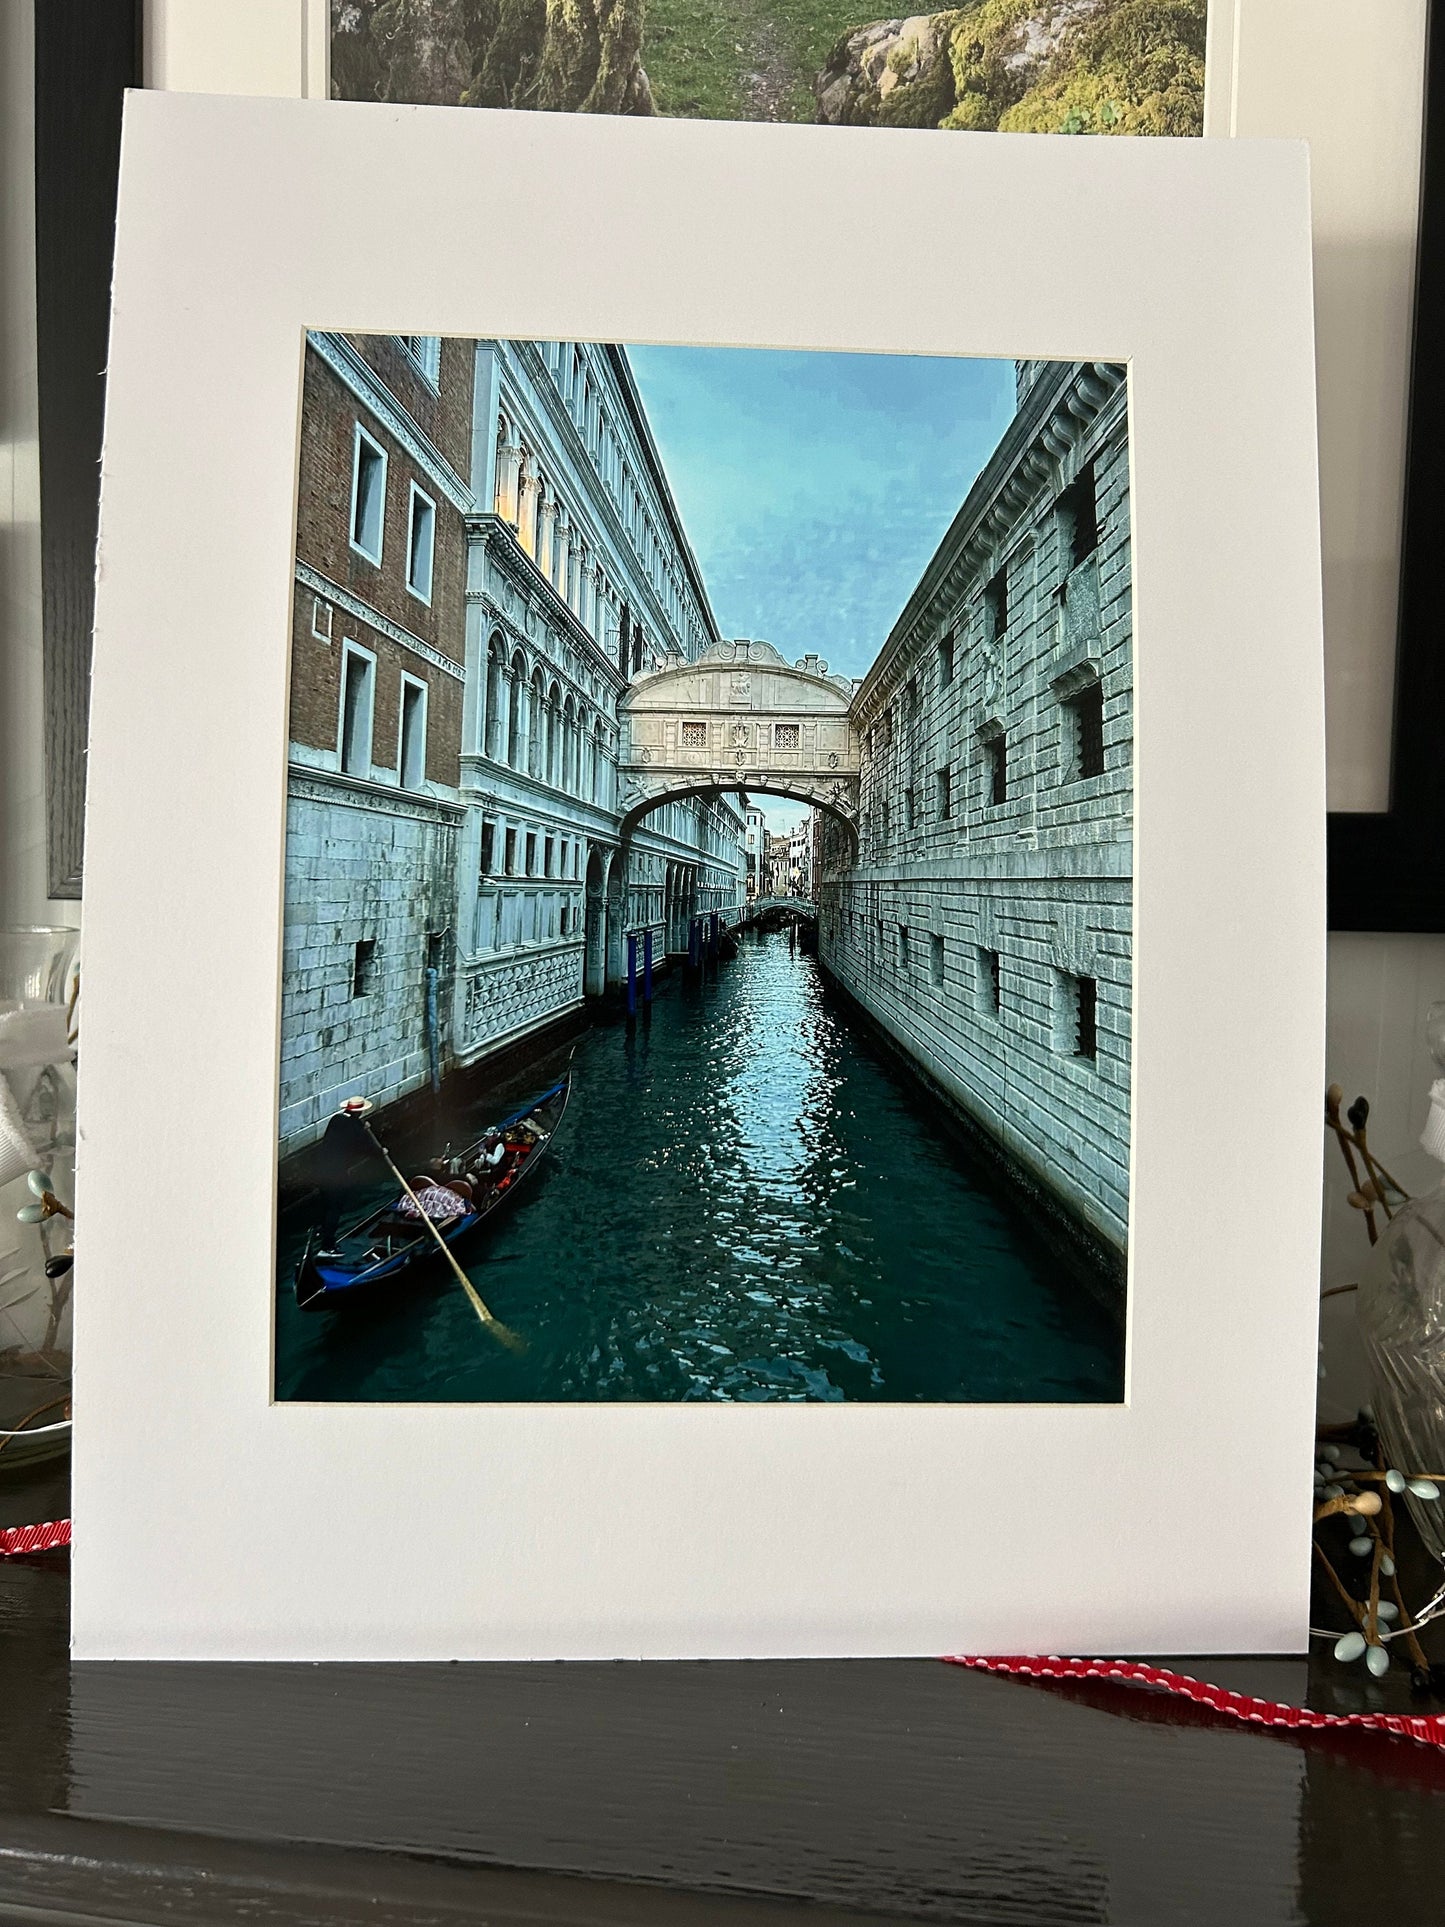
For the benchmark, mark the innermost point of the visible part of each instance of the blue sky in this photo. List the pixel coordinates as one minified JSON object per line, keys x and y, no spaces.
{"x":815,"y":487}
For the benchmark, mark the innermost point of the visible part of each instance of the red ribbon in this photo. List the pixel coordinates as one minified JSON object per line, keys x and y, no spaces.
{"x":15,"y":1540}
{"x":1429,"y":1730}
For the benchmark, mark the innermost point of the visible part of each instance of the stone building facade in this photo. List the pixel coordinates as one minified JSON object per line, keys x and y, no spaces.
{"x":986,"y":923}
{"x":487,"y":554}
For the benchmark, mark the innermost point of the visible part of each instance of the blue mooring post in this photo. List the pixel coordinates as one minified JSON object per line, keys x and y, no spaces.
{"x":647,"y":966}
{"x":632,"y":976}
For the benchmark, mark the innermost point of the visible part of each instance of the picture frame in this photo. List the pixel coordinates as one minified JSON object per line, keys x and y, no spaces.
{"x":1385,"y":870}
{"x":577,"y":1531}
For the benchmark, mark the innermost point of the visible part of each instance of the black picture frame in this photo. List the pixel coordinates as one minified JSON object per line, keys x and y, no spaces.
{"x":87,"y":52}
{"x":1387,"y":869}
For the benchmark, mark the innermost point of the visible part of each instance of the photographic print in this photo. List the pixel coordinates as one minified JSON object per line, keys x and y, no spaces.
{"x":708,"y":900}
{"x":1020,"y":66}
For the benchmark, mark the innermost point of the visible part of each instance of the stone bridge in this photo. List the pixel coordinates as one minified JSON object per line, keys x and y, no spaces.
{"x":758,"y":907}
{"x":739,"y":719}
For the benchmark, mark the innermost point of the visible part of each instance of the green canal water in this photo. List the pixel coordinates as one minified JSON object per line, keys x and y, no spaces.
{"x":745,"y":1201}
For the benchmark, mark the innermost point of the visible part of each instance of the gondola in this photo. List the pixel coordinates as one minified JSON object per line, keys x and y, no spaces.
{"x":387,"y":1248}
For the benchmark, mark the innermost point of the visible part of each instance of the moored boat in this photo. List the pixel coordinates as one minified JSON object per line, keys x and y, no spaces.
{"x":391,"y":1245}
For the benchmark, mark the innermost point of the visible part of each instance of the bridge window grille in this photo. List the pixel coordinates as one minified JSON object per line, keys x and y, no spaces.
{"x":996,"y":750}
{"x":694,"y":735}
{"x":1086,"y":708}
{"x":785,"y":735}
{"x":363,"y":962}
{"x":990,"y":982}
{"x":935,"y":962}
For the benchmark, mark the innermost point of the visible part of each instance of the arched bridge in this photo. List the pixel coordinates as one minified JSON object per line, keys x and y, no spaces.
{"x":739,"y":718}
{"x":758,"y":907}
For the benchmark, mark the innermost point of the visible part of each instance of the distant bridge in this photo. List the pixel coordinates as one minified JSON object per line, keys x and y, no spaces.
{"x":739,"y":719}
{"x":761,"y":907}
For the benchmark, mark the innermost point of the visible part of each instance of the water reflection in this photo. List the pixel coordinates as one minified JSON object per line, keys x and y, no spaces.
{"x":744,"y":1203}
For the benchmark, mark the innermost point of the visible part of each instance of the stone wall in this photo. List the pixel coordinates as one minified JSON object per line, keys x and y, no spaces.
{"x":1016,"y":646}
{"x":360,"y":869}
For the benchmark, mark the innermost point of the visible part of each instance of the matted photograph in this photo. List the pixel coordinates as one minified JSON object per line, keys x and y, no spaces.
{"x":985,"y":66}
{"x":706,"y":823}
{"x":709,"y":872}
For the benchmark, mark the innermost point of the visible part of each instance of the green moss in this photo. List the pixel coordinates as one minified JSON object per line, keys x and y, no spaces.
{"x":925,"y":102}
{"x":1132,"y":67}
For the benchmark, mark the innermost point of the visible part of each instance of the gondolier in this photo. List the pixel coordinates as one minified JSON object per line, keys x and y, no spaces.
{"x":345,"y":1146}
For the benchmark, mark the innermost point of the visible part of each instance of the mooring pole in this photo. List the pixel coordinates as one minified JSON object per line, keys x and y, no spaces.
{"x":692,"y":943}
{"x":632,"y":976}
{"x":647,"y":966}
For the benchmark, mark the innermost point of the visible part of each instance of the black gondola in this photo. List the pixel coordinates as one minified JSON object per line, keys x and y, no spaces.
{"x":387,"y":1247}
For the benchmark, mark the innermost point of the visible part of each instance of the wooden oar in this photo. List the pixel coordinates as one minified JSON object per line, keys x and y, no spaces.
{"x":502,"y":1333}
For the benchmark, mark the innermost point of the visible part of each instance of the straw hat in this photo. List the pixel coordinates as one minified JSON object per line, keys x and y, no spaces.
{"x":356,"y":1107}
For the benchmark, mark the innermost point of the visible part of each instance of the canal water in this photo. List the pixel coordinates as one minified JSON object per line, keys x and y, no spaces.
{"x":744,"y":1201}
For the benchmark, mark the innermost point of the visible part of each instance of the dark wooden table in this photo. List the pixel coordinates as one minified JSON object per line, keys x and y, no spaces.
{"x":585,"y":1794}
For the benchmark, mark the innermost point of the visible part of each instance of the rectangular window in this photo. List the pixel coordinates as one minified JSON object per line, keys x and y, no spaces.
{"x":363,"y":961}
{"x":511,"y":853}
{"x":990,"y":982}
{"x":320,"y":619}
{"x":935,"y":962}
{"x":1086,"y":709}
{"x":489,"y":848}
{"x":884,"y":825}
{"x":785,"y":735}
{"x":531,"y":853}
{"x":903,"y":946}
{"x":995,"y":598}
{"x":357,"y":699}
{"x":943,"y":789}
{"x":694,"y":735}
{"x":908,"y":809}
{"x":996,"y":750}
{"x":420,"y":544}
{"x":426,"y":352}
{"x":1086,"y":1017}
{"x":368,"y":495}
{"x":945,"y":661}
{"x":1079,"y":516}
{"x":548,"y":847}
{"x":411,"y":757}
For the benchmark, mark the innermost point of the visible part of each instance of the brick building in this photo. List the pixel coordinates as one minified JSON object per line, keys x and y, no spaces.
{"x":986,"y":924}
{"x":377,"y":685}
{"x":487,"y":552}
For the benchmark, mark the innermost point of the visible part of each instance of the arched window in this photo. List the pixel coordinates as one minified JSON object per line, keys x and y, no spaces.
{"x":536,"y":736}
{"x":599,"y":764}
{"x":569,"y":745}
{"x":553,"y":767}
{"x":494,"y":741}
{"x":516,"y":721}
{"x":527,"y":505}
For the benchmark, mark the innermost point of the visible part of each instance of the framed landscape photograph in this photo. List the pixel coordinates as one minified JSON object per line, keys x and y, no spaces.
{"x":706,"y":828}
